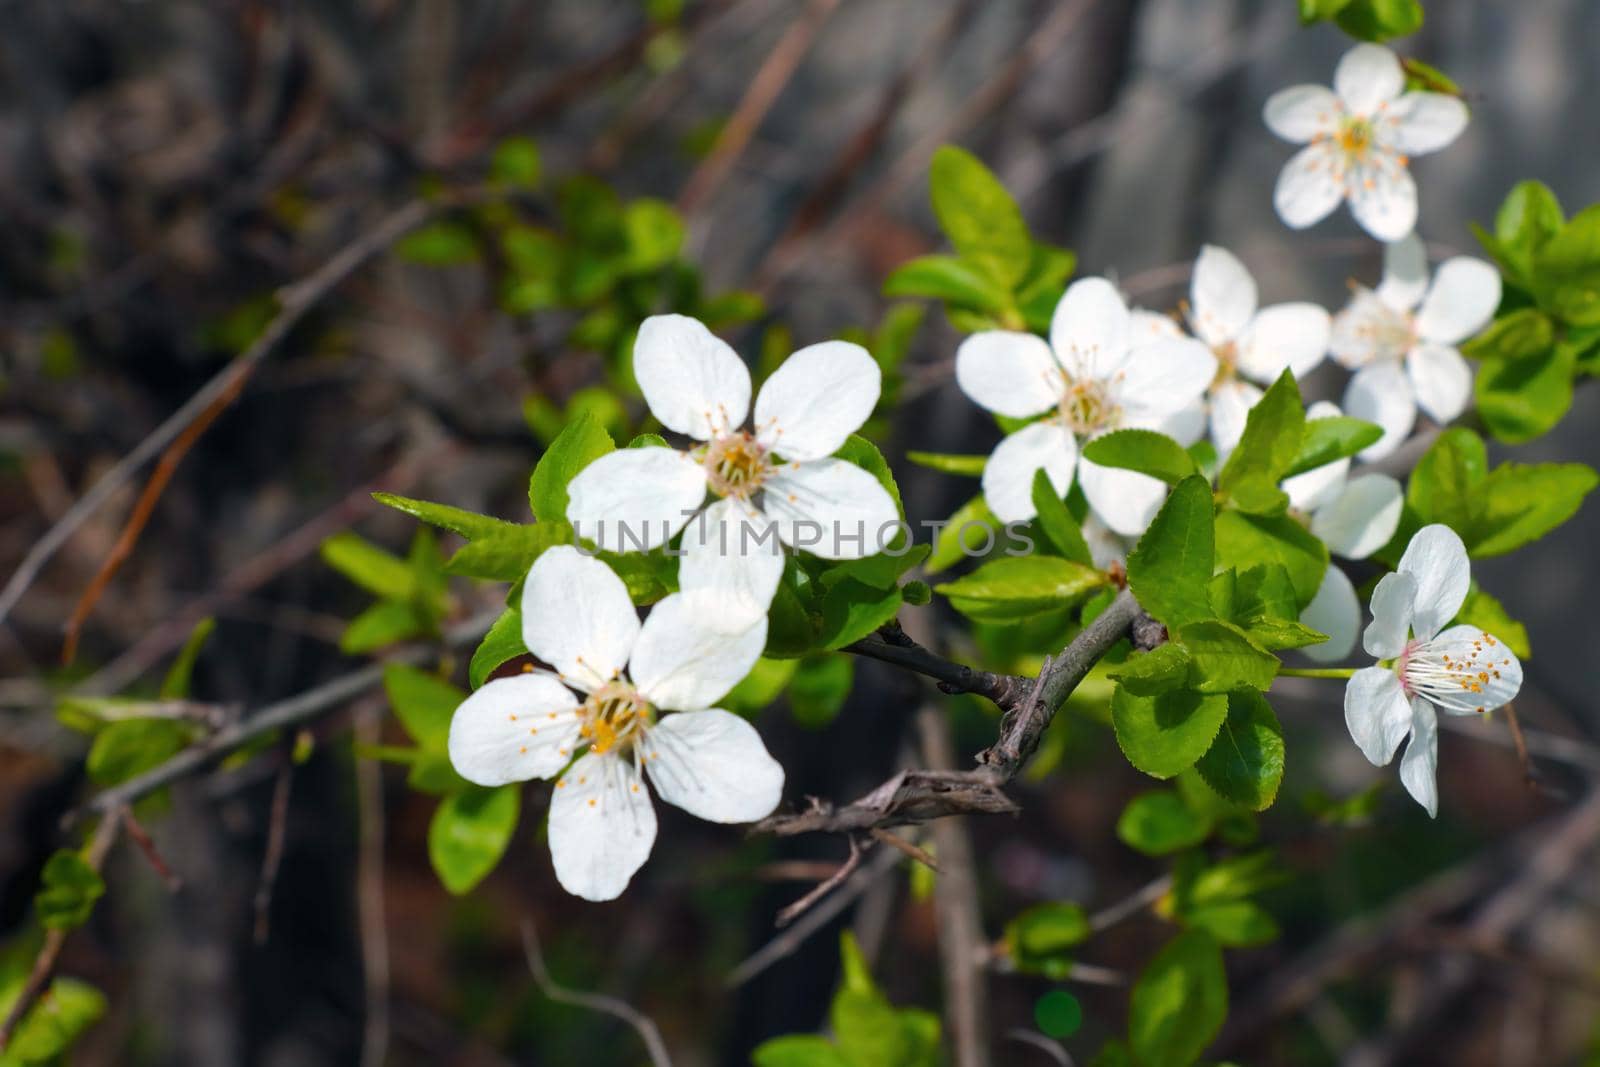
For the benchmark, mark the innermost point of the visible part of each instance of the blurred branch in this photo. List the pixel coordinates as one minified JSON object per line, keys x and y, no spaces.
{"x":915,"y":796}
{"x":285,"y":713}
{"x":44,"y":966}
{"x":642,"y":1024}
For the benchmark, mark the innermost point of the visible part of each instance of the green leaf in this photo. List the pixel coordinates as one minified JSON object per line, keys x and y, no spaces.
{"x":1261,"y":602}
{"x":1179,"y":1002}
{"x":1165,"y":734}
{"x":1245,"y":763}
{"x":764,"y":684}
{"x":423,"y":703}
{"x":961,"y":533}
{"x":1527,"y":219}
{"x":382,"y":624}
{"x":439,"y":244}
{"x":500,"y":645}
{"x":581,"y":443}
{"x":1521,"y":399}
{"x":506,"y":555}
{"x":468,"y":524}
{"x":864,"y":454}
{"x":950,"y":280}
{"x":1270,"y":444}
{"x":1017,"y":587}
{"x":1520,"y":334}
{"x":127,"y":749}
{"x":1245,"y":541}
{"x":852,"y":610}
{"x":1044,"y":933}
{"x":175,"y":686}
{"x":469,"y":833}
{"x":1566,"y":270}
{"x":1379,"y":20}
{"x":798,"y":1050}
{"x":1060,"y":530}
{"x":654,"y":232}
{"x":1332,"y":438}
{"x":981,"y":219}
{"x":68,"y":891}
{"x":369,"y":566}
{"x":1144,"y":451}
{"x":1238,"y":924}
{"x":1169,"y":568}
{"x":1446,"y":480}
{"x":1148,"y":674}
{"x":49,"y":1029}
{"x":950,"y":464}
{"x":1160,"y":823}
{"x":515,"y":164}
{"x":1489,"y":615}
{"x":819,"y":688}
{"x":1224,"y":659}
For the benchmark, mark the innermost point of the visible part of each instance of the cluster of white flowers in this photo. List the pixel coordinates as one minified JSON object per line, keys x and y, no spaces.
{"x":594,"y":721}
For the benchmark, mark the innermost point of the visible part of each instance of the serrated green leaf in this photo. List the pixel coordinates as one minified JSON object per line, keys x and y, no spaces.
{"x":1566,"y":270}
{"x":1060,"y":530}
{"x":1179,"y":1002}
{"x":468,"y":524}
{"x":1489,"y":615}
{"x":423,"y":703}
{"x":1148,"y":674}
{"x":1520,"y":334}
{"x":500,"y":645}
{"x":1165,"y":734}
{"x":950,"y":280}
{"x":961,"y":533}
{"x":1169,"y":568}
{"x":1244,"y":541}
{"x":1245,"y":762}
{"x":1273,"y":433}
{"x":581,"y":443}
{"x":369,"y":566}
{"x":1520,"y":399}
{"x":1017,"y":587}
{"x":469,"y":833}
{"x":764,"y":684}
{"x":1144,"y":451}
{"x":1332,"y":438}
{"x":979,"y":216}
{"x":950,"y":464}
{"x":851,"y":610}
{"x":1160,"y":823}
{"x":382,"y":624}
{"x":506,"y":555}
{"x":1223,"y":658}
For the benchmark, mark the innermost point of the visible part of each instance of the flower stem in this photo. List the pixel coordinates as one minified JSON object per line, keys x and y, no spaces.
{"x":1316,"y":672}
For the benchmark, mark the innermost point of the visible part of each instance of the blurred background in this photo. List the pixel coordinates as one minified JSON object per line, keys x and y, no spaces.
{"x":166,"y":168}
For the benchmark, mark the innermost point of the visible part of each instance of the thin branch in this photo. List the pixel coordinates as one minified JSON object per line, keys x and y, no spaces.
{"x":1130,"y":905}
{"x":147,"y":846}
{"x":370,"y":905}
{"x":642,"y":1024}
{"x":894,"y":841}
{"x":284,"y":714}
{"x":44,"y":966}
{"x":824,"y":887}
{"x":272,"y":856}
{"x":890,"y":644}
{"x":294,"y":301}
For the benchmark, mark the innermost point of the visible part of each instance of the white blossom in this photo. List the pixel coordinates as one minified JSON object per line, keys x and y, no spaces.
{"x":1400,"y":340}
{"x":1424,"y":668}
{"x":1359,"y":139}
{"x":1088,"y":380}
{"x":692,"y":649}
{"x":776,"y":482}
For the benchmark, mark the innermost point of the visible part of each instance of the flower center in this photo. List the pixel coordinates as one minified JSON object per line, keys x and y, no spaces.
{"x":613,"y":715}
{"x":1451,"y":674}
{"x":1381,"y":331}
{"x":1355,"y":137}
{"x":736,"y":465}
{"x":1086,"y":406}
{"x":1227,"y":354}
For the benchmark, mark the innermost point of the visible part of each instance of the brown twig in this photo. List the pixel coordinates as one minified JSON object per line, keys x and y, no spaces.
{"x":890,"y":644}
{"x":907,"y":848}
{"x":1529,"y":778}
{"x":824,"y":887}
{"x":272,"y":856}
{"x":775,"y":72}
{"x":642,"y":1024}
{"x":44,"y":965}
{"x":147,"y":847}
{"x":370,"y":905}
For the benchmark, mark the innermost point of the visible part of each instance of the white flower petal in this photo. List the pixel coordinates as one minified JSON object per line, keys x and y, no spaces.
{"x":693,"y":648}
{"x":712,"y":764}
{"x":1291,"y":337}
{"x":1090,"y":330}
{"x":1419,"y":767}
{"x":1499,"y":669}
{"x":1381,"y":393}
{"x":635,"y":499}
{"x":1368,"y":329}
{"x":1125,"y":500}
{"x":1317,"y":486}
{"x":1367,"y":76}
{"x":1185,"y":426}
{"x":1419,"y":123}
{"x":1301,"y":112}
{"x":1009,"y":373}
{"x":1230,"y":409}
{"x":1335,"y":611}
{"x":1308,"y":188}
{"x":1222,"y":296}
{"x":1162,"y":377}
{"x":830,"y":508}
{"x":1105,"y":546}
{"x":577,"y":617}
{"x":816,"y":399}
{"x":733,"y":549}
{"x":1383,"y":197}
{"x":694,"y":383}
{"x":602,"y":827}
{"x":1437,"y":560}
{"x":1441,"y":379}
{"x":1394,"y":601}
{"x":1008,"y":476}
{"x":1376,"y":713}
{"x":1405,"y":273}
{"x":1146,"y":326}
{"x":1461,"y":302}
{"x":1362,"y":517}
{"x":513,"y":729}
